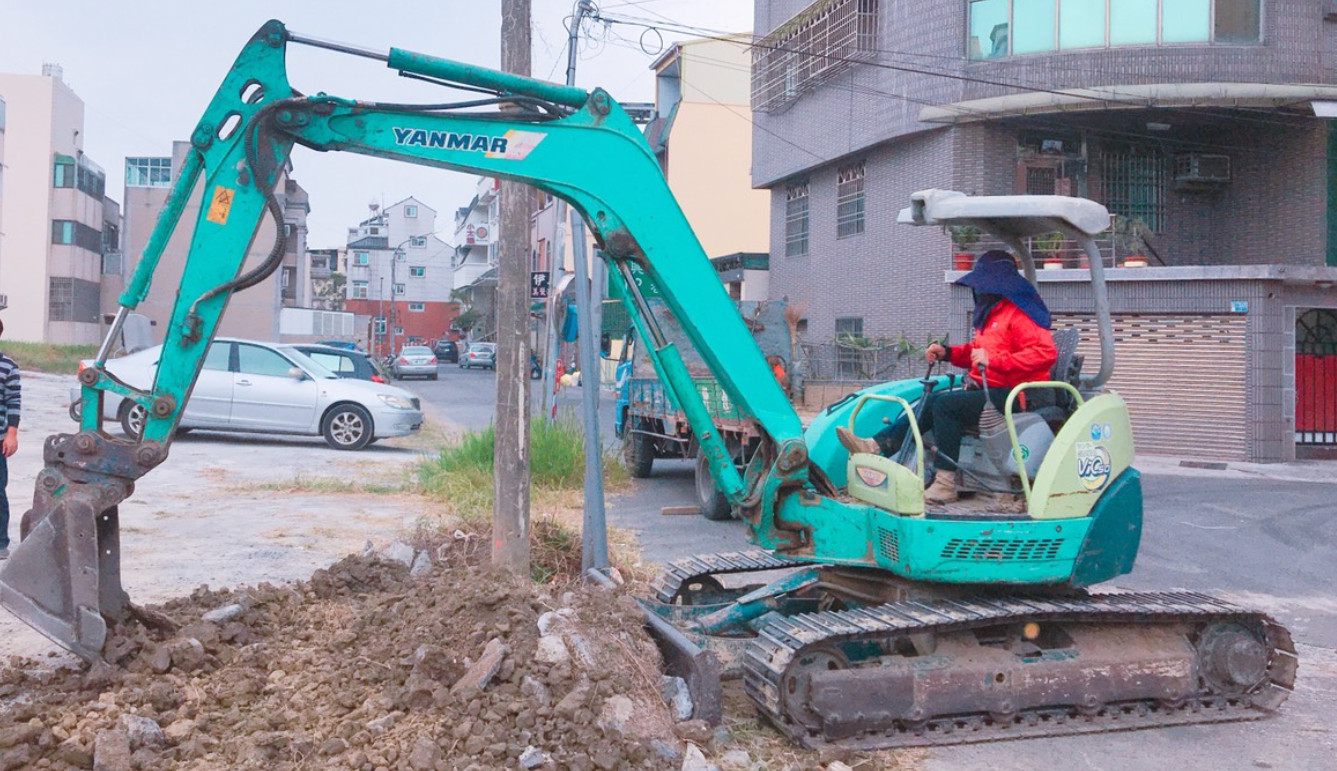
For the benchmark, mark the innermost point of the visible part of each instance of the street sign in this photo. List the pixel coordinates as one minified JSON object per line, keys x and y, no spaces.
{"x":538,"y":284}
{"x":643,"y":283}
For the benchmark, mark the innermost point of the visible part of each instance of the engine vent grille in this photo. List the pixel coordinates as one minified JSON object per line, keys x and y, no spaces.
{"x":1002,"y":549}
{"x":889,"y":544}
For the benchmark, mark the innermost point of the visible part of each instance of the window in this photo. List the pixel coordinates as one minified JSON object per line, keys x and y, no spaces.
{"x":254,"y":360}
{"x":1006,"y":27}
{"x":63,"y":173}
{"x":361,"y":258}
{"x":1135,"y":184}
{"x":419,"y":241}
{"x":849,"y":200}
{"x":417,"y":271}
{"x":218,"y":357}
{"x":378,"y":325}
{"x":399,"y":256}
{"x":411,"y":211}
{"x":399,"y":331}
{"x":847,"y":356}
{"x":399,"y":289}
{"x":817,"y":44}
{"x":148,"y":172}
{"x":113,"y":263}
{"x":76,"y":234}
{"x":796,"y":220}
{"x":417,"y":307}
{"x":359,"y":290}
{"x":73,"y":299}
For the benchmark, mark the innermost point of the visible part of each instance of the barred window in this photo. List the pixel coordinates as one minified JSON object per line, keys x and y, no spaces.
{"x":817,"y":44}
{"x":849,"y":200}
{"x":1135,"y":181}
{"x":796,"y":220}
{"x":73,"y":299}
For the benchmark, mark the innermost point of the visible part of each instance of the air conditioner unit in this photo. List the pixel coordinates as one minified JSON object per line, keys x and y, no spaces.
{"x":1199,"y":170}
{"x":4,"y":301}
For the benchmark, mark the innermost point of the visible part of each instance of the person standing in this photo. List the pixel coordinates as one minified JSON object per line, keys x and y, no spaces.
{"x":9,"y":418}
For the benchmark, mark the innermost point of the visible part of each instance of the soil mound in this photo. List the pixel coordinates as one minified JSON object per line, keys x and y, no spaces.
{"x":367,"y":665}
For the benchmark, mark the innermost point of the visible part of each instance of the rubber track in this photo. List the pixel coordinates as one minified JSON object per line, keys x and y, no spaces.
{"x":781,"y":641}
{"x":680,"y":572}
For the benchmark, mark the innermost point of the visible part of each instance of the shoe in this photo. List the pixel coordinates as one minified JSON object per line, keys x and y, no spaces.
{"x":856,"y":443}
{"x":943,"y":489}
{"x":4,"y":554}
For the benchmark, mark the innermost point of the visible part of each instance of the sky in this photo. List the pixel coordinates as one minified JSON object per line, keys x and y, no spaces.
{"x":145,"y":71}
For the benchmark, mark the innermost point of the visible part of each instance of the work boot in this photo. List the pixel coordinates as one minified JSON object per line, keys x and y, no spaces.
{"x":856,"y":443}
{"x":943,"y":489}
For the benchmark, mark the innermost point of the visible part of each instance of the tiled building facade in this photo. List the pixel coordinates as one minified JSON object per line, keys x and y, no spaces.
{"x":1201,"y":123}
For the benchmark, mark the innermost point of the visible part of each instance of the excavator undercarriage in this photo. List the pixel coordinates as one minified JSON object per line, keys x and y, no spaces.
{"x":873,"y":661}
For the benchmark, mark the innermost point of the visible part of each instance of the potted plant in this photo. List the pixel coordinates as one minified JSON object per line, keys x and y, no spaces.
{"x":964,"y":238}
{"x":1048,"y":248}
{"x":1130,"y":240}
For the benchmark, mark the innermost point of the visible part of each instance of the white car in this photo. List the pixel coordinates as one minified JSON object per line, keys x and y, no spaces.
{"x":264,"y":388}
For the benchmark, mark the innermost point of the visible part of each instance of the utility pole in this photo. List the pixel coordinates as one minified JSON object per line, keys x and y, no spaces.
{"x":510,"y":456}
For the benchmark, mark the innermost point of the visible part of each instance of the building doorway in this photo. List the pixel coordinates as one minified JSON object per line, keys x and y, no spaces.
{"x":1316,"y":382}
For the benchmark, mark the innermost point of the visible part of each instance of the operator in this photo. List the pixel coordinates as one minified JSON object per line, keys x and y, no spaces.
{"x":1012,"y":345}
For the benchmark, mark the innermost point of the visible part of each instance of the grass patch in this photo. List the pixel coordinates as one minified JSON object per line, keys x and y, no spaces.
{"x":460,"y":475}
{"x":48,"y":357}
{"x":301,"y":483}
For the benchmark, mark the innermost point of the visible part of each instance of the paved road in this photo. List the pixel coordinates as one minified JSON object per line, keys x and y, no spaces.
{"x":1257,"y":535}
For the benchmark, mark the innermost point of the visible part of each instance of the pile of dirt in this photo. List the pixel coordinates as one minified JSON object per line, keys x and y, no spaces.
{"x":370,"y":664}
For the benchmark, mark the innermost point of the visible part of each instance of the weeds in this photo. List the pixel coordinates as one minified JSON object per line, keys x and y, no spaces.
{"x":48,"y":357}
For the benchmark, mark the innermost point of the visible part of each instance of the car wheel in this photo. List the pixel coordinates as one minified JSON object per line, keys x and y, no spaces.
{"x":432,"y":376}
{"x":348,"y":427}
{"x":132,"y":419}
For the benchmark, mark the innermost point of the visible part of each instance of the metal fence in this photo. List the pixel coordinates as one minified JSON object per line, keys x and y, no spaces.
{"x":874,"y":361}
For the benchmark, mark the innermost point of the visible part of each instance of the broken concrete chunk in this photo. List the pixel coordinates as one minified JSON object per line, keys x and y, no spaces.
{"x":179,"y":731}
{"x":679,"y":697}
{"x":736,"y":760}
{"x":839,"y":766}
{"x":111,"y":751}
{"x":533,"y":757}
{"x":481,"y":673}
{"x":398,"y":552}
{"x":616,"y":712}
{"x":555,"y":620}
{"x":695,"y":760}
{"x":422,"y":561}
{"x":143,"y":732}
{"x":224,"y":614}
{"x":552,"y":650}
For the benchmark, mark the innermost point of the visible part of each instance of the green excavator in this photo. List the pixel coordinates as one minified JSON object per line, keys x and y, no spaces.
{"x":864,"y":617}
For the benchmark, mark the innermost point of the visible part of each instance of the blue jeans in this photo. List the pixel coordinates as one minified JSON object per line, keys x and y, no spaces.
{"x":947,"y":414}
{"x":4,"y":502}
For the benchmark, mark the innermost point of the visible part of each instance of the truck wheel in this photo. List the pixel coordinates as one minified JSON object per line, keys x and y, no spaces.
{"x":640,"y":449}
{"x":714,"y":506}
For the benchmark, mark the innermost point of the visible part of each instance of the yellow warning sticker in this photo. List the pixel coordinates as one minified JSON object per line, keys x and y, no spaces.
{"x":220,"y":203}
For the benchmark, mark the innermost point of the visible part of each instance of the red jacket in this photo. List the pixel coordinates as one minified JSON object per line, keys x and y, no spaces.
{"x":1019,"y":349}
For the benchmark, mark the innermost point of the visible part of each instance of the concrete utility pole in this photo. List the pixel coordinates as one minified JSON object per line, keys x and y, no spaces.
{"x":510,"y":457}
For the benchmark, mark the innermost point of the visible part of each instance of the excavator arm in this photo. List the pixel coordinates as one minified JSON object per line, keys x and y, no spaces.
{"x":64,"y":578}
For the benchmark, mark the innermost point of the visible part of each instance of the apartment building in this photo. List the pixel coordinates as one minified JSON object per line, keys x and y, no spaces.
{"x":52,"y":212}
{"x":400,"y":277}
{"x":1205,"y":123}
{"x":252,"y":313}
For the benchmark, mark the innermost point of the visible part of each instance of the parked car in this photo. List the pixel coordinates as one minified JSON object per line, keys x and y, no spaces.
{"x":415,"y":361}
{"x":347,"y":345}
{"x":447,"y":351}
{"x":258,"y":387}
{"x":346,"y":363}
{"x":480,"y":355}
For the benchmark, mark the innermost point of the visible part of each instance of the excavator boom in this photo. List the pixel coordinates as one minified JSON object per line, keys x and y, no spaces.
{"x":580,"y":146}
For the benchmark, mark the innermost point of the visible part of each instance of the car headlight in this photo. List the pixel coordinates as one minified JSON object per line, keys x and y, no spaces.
{"x":397,"y":402}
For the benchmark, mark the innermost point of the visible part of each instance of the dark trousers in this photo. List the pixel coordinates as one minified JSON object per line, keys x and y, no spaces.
{"x":947,"y":414}
{"x":4,"y":502}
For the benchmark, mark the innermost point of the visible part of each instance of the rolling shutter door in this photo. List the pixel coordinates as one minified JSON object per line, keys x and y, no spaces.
{"x":1183,"y":377}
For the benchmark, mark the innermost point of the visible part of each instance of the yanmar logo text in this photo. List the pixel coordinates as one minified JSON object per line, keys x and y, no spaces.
{"x":513,"y":145}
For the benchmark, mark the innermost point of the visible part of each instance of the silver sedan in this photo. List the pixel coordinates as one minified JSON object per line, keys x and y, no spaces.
{"x":414,"y":361}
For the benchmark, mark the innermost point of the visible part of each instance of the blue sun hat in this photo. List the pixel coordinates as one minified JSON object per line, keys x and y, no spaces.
{"x":995,"y":273}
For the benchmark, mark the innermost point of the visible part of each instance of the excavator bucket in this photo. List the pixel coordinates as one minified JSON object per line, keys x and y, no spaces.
{"x":64,"y":577}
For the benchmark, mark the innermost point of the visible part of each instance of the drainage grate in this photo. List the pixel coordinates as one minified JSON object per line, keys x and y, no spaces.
{"x":888,"y":542}
{"x":1002,"y":548}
